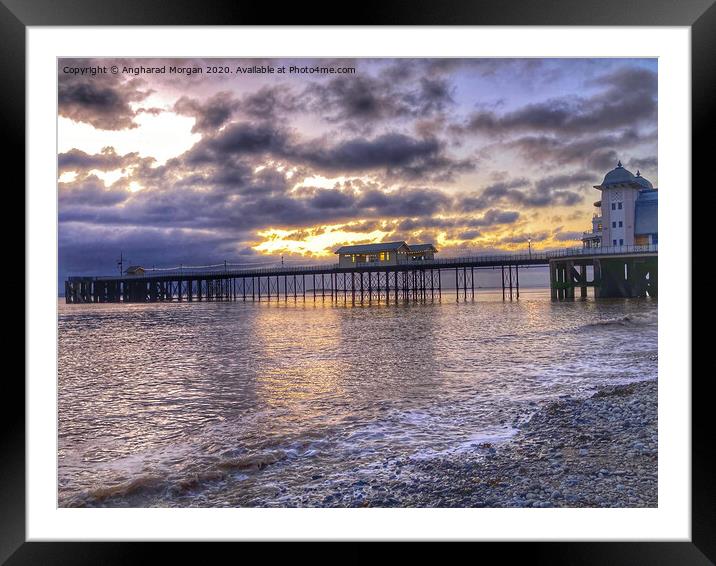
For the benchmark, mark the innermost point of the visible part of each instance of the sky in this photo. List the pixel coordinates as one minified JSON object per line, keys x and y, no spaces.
{"x":473,"y":155}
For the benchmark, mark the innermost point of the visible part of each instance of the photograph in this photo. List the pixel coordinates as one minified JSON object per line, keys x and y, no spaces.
{"x":398,"y":282}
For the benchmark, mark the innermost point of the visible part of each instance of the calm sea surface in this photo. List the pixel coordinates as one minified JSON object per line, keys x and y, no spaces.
{"x":247,"y":404}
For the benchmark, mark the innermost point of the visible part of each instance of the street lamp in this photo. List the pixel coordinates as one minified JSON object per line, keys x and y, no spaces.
{"x":529,"y":246}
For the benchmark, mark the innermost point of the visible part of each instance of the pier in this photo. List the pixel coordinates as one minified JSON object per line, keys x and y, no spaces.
{"x":625,"y":271}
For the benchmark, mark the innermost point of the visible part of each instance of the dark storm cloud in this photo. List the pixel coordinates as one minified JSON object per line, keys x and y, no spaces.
{"x":267,"y":103}
{"x":210,"y":115}
{"x":394,"y":154}
{"x":565,"y":180}
{"x":468,"y":235}
{"x":644,"y":163}
{"x":594,"y":153}
{"x":104,"y":101}
{"x":404,"y":202}
{"x":389,"y":150}
{"x":236,"y":140}
{"x":567,"y":236}
{"x":404,"y":70}
{"x":224,"y":193}
{"x":271,"y":102}
{"x":108,"y":160}
{"x":434,"y":95}
{"x":493,"y":217}
{"x":492,"y":193}
{"x":90,"y":193}
{"x":327,"y":199}
{"x":365,"y":98}
{"x":398,"y":155}
{"x":521,"y":191}
{"x":627,"y":98}
{"x":348,"y":98}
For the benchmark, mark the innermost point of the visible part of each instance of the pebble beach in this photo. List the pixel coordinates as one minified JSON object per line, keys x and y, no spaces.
{"x":600,"y":451}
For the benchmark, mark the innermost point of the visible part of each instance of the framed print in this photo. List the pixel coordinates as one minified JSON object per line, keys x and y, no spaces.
{"x":389,"y":279}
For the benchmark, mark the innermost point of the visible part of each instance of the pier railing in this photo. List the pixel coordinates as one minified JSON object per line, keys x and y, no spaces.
{"x":534,"y":258}
{"x":537,"y":257}
{"x":601,"y":251}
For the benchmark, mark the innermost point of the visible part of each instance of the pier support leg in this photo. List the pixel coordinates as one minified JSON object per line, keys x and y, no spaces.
{"x":509,"y":267}
{"x":457,"y":284}
{"x":569,"y":276}
{"x":502,"y":267}
{"x":583,"y":278}
{"x":553,"y":281}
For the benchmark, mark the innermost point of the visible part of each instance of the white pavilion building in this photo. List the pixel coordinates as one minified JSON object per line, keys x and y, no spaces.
{"x":628,"y":211}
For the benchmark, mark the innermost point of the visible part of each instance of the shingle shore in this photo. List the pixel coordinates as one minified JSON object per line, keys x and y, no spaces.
{"x":595,"y":452}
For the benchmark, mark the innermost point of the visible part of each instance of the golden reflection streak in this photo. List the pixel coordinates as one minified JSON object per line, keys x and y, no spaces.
{"x":289,"y":385}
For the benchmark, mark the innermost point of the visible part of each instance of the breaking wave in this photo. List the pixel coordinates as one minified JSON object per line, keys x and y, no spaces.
{"x":641,"y":319}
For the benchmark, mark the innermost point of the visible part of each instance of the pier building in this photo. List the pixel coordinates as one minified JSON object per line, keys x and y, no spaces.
{"x":628,"y":211}
{"x":387,"y":253}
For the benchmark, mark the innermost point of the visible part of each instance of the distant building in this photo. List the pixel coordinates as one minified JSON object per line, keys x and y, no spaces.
{"x":388,"y":253}
{"x":135,"y":270}
{"x":628,"y":211}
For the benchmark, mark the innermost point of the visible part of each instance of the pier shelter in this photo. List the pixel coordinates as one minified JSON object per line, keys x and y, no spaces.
{"x":387,"y":253}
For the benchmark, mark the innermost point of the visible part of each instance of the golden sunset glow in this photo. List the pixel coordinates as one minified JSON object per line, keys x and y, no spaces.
{"x":318,"y":242}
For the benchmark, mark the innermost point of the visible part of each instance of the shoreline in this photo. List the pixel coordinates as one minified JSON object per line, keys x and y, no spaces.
{"x":595,"y":451}
{"x":598,"y":451}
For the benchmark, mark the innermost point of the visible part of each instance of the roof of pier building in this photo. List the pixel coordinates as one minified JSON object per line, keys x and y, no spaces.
{"x":384,"y":247}
{"x":619,"y":176}
{"x":134,"y":269}
{"x":423,"y":248}
{"x":371,"y":248}
{"x":643,"y":181}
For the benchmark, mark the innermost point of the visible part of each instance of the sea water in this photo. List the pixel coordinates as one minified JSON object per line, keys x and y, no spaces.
{"x":253,"y":404}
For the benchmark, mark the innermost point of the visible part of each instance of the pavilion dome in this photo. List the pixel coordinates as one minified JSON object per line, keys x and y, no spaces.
{"x":618,"y":175}
{"x":643,"y":181}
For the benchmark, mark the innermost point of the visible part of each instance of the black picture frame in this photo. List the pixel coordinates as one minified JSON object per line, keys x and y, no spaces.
{"x":699,"y":15}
